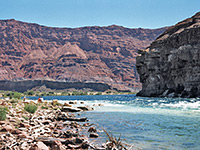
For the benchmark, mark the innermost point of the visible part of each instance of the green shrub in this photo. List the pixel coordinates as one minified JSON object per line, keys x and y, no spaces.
{"x":3,"y":112}
{"x":11,"y":95}
{"x":79,"y":93}
{"x":83,"y":93}
{"x":14,"y":101}
{"x":64,"y":93}
{"x":37,"y":94}
{"x":109,"y":92}
{"x":43,"y":94}
{"x":44,"y":107}
{"x":29,"y":93}
{"x":99,"y":93}
{"x":26,"y":118}
{"x":17,"y":95}
{"x":75,"y":93}
{"x":56,"y":103}
{"x":31,"y":108}
{"x":51,"y":94}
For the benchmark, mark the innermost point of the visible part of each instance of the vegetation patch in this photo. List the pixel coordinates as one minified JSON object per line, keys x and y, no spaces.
{"x":3,"y":112}
{"x":45,"y":107}
{"x":31,"y":108}
{"x":25,"y":117}
{"x":14,"y":101}
{"x":11,"y":95}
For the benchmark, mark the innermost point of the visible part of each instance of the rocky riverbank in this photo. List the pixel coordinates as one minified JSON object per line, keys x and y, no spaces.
{"x":53,"y":126}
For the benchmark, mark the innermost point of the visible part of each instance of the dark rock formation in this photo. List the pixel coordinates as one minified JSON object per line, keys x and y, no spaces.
{"x":24,"y":85}
{"x":170,"y":66}
{"x":94,"y":54}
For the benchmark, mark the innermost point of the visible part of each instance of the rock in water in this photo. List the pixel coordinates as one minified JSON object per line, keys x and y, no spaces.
{"x":170,"y":66}
{"x":86,"y":108}
{"x":94,"y":135}
{"x":92,"y":129}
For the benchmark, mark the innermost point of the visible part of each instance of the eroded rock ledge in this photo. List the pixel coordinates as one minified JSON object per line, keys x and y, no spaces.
{"x":170,"y":66}
{"x":24,"y":85}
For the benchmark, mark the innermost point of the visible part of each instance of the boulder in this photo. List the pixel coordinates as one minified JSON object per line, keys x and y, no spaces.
{"x":86,"y":124}
{"x":7,"y":128}
{"x":71,"y":146}
{"x":49,"y":140}
{"x":39,"y":146}
{"x":57,"y":145}
{"x":83,"y":119}
{"x":24,"y":146}
{"x":66,"y":104}
{"x":98,"y":104}
{"x":92,"y":129}
{"x":24,"y":125}
{"x":2,"y":122}
{"x":93,"y":135}
{"x":72,"y":102}
{"x":23,"y":135}
{"x":16,"y":131}
{"x":70,"y":109}
{"x":86,"y":108}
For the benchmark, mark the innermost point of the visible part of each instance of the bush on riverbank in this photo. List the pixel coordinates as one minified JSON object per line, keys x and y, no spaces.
{"x":11,"y":95}
{"x":29,"y":93}
{"x":18,"y":95}
{"x":3,"y":112}
{"x":31,"y":108}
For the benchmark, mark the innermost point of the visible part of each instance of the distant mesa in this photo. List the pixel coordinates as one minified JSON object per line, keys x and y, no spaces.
{"x":170,"y":66}
{"x":89,"y":54}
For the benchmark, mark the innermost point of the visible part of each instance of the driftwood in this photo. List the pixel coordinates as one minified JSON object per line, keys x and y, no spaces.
{"x":117,"y":144}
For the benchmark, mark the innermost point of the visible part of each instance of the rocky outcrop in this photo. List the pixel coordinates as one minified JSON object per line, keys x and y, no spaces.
{"x":88,"y":54}
{"x":24,"y":85}
{"x":170,"y":66}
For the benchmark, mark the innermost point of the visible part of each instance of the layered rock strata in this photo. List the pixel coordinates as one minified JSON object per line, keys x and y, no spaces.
{"x":170,"y":66}
{"x":87,"y":54}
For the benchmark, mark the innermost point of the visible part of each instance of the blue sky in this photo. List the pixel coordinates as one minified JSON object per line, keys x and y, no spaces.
{"x":78,"y":13}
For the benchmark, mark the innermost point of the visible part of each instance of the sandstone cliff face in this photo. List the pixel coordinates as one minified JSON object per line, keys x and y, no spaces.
{"x":170,"y":66}
{"x":88,"y":54}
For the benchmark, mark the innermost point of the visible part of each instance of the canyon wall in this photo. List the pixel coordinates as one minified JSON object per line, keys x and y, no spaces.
{"x":88,"y":54}
{"x":170,"y":66}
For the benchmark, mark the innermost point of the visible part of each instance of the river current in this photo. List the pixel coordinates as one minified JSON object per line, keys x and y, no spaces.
{"x":147,"y":123}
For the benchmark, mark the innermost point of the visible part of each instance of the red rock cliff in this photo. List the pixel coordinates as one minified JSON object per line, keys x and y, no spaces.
{"x":88,"y":54}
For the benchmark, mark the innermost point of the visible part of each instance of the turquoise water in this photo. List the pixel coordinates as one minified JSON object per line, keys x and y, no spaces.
{"x":148,"y":123}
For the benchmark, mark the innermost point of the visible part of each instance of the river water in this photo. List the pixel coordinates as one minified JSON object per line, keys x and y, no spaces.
{"x":147,"y":123}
